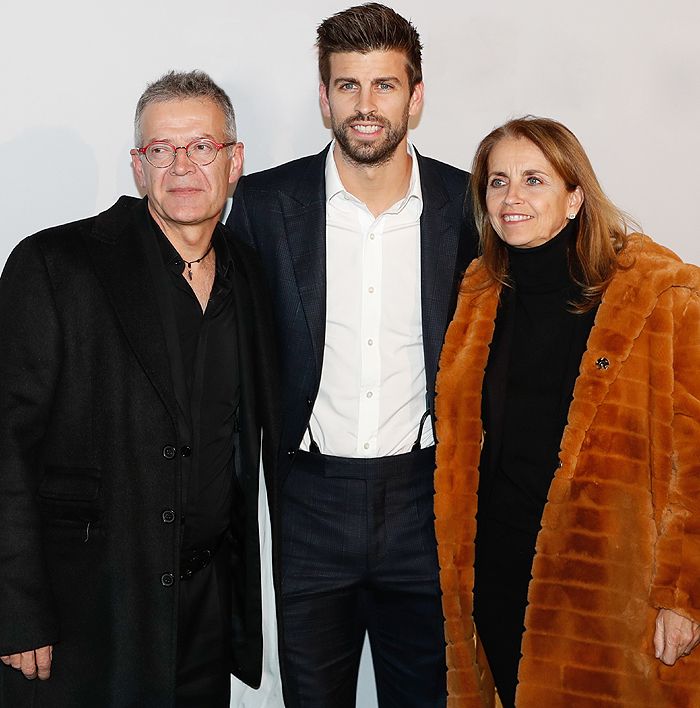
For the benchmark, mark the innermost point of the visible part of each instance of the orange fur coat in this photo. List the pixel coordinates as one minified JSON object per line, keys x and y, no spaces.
{"x":620,"y":531}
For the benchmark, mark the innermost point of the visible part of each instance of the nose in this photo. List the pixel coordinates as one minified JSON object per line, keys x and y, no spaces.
{"x":512,"y":196}
{"x":365,"y":103}
{"x":182,"y":163}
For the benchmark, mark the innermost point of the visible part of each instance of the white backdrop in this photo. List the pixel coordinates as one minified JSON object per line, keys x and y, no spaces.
{"x":622,"y":74}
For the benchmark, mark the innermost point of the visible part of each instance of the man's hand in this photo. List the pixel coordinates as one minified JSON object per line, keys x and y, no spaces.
{"x":675,"y":636}
{"x":33,"y":664}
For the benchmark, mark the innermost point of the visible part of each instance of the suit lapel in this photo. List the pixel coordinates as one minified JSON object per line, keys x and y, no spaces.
{"x":439,"y":240}
{"x":118,"y":255}
{"x":305,"y":223}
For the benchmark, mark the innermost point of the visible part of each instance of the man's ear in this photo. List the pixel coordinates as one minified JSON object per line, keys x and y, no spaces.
{"x":323,"y":100}
{"x":137,"y":166}
{"x":236,"y":168}
{"x":416,"y":101}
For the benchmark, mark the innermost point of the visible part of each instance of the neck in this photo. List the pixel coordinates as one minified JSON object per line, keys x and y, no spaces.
{"x":189,"y":240}
{"x":378,"y":186}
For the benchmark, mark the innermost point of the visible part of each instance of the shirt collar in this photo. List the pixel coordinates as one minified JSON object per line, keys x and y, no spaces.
{"x":335,"y":188}
{"x":172,"y":260}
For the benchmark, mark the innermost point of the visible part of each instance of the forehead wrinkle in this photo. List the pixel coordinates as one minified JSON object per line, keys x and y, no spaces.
{"x":201,"y":136}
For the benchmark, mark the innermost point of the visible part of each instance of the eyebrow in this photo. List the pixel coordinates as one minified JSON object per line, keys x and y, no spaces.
{"x":380,"y":80}
{"x":525,"y":173}
{"x":203,"y":136}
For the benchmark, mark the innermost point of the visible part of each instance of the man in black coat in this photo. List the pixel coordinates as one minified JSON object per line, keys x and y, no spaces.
{"x":364,"y":246}
{"x":136,"y":401}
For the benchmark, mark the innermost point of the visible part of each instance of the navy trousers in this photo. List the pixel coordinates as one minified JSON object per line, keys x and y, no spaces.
{"x":359,"y":556}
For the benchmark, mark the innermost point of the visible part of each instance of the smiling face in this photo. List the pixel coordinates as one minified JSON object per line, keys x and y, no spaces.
{"x":526,"y":199}
{"x":186,"y":194}
{"x":369,"y":102}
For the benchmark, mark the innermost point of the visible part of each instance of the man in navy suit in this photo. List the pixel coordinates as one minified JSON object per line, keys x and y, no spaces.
{"x":363,"y":246}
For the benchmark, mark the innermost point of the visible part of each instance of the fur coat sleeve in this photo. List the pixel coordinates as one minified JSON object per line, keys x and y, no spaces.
{"x":620,"y":532}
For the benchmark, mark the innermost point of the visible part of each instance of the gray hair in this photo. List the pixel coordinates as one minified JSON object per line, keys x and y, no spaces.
{"x":179,"y":85}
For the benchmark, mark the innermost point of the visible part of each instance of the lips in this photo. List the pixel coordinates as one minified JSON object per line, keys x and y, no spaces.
{"x":184,"y":191}
{"x":366,"y":129}
{"x":515,"y":218}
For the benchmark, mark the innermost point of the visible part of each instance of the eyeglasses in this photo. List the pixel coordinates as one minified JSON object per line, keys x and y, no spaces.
{"x":202,"y":151}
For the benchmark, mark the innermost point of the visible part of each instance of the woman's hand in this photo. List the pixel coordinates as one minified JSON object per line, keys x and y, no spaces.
{"x":675,"y":636}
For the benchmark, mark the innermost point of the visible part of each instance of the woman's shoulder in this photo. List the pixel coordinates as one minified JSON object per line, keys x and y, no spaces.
{"x":652,"y":265}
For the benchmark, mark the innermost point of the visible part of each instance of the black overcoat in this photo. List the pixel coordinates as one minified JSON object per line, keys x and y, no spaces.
{"x":89,"y":461}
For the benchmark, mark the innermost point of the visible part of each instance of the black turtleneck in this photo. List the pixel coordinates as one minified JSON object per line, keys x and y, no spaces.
{"x":535,"y":356}
{"x":534,"y":361}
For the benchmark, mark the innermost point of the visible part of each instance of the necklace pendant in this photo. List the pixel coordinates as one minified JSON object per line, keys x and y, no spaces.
{"x":189,"y":272}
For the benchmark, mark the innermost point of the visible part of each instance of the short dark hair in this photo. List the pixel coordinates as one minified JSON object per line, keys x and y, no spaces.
{"x":178,"y":85}
{"x":367,"y":28}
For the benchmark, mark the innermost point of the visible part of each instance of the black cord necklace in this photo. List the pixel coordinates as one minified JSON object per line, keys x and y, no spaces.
{"x":201,"y":258}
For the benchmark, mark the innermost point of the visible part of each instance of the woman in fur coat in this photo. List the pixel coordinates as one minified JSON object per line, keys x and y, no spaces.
{"x":568,"y":466}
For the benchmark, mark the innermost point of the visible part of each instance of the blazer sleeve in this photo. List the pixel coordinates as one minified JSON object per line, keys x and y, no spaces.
{"x":676,"y":583}
{"x":30,"y":354}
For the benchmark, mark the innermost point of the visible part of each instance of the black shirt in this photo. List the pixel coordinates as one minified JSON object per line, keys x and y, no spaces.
{"x":203,"y":349}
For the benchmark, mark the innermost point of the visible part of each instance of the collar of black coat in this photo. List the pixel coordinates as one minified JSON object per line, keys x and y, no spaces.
{"x":131,"y":213}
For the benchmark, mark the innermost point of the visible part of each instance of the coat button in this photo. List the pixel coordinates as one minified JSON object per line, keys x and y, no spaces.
{"x":602,"y":363}
{"x":185,"y":450}
{"x":169,"y":452}
{"x":167,"y":579}
{"x":168,"y":516}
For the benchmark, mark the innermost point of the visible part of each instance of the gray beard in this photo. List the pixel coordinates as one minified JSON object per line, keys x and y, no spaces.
{"x":366,"y":154}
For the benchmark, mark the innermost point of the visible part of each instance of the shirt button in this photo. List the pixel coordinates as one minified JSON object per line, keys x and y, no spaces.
{"x":370,"y":342}
{"x":366,"y":446}
{"x":369,"y":394}
{"x":185,"y":450}
{"x":371,"y":236}
{"x":167,"y":579}
{"x":169,"y":452}
{"x":168,"y":516}
{"x":370,"y":289}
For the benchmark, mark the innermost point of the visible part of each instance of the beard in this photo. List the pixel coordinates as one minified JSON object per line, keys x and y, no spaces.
{"x":365,"y":153}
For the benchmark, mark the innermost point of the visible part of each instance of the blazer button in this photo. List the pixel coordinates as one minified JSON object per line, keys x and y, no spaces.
{"x":167,"y":579}
{"x":168,"y":516}
{"x":169,"y":452}
{"x":291,"y":453}
{"x":185,"y":450}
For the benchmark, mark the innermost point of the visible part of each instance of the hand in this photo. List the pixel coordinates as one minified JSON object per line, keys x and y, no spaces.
{"x":675,"y":636}
{"x":33,"y":664}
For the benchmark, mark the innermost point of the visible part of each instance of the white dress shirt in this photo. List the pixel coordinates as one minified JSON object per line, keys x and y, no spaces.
{"x":373,"y":390}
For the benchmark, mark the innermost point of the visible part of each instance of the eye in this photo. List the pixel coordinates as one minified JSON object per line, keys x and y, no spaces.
{"x":496,"y":182}
{"x":203,"y":146}
{"x":160,"y":149}
{"x":532,"y":181}
{"x":347,"y":86}
{"x":383,"y":86}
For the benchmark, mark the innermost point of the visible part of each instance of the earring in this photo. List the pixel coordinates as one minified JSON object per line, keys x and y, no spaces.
{"x":572,"y":216}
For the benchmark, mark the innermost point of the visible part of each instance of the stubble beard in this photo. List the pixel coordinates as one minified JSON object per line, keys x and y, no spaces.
{"x":365,"y":153}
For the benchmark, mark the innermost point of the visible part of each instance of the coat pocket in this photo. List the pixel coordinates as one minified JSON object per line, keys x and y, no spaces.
{"x":68,"y":495}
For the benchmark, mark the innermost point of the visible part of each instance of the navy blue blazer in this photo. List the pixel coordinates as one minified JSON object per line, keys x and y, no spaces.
{"x":281,"y":212}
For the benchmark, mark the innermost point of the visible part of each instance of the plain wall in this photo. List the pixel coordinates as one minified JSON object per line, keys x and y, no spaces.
{"x":622,"y":74}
